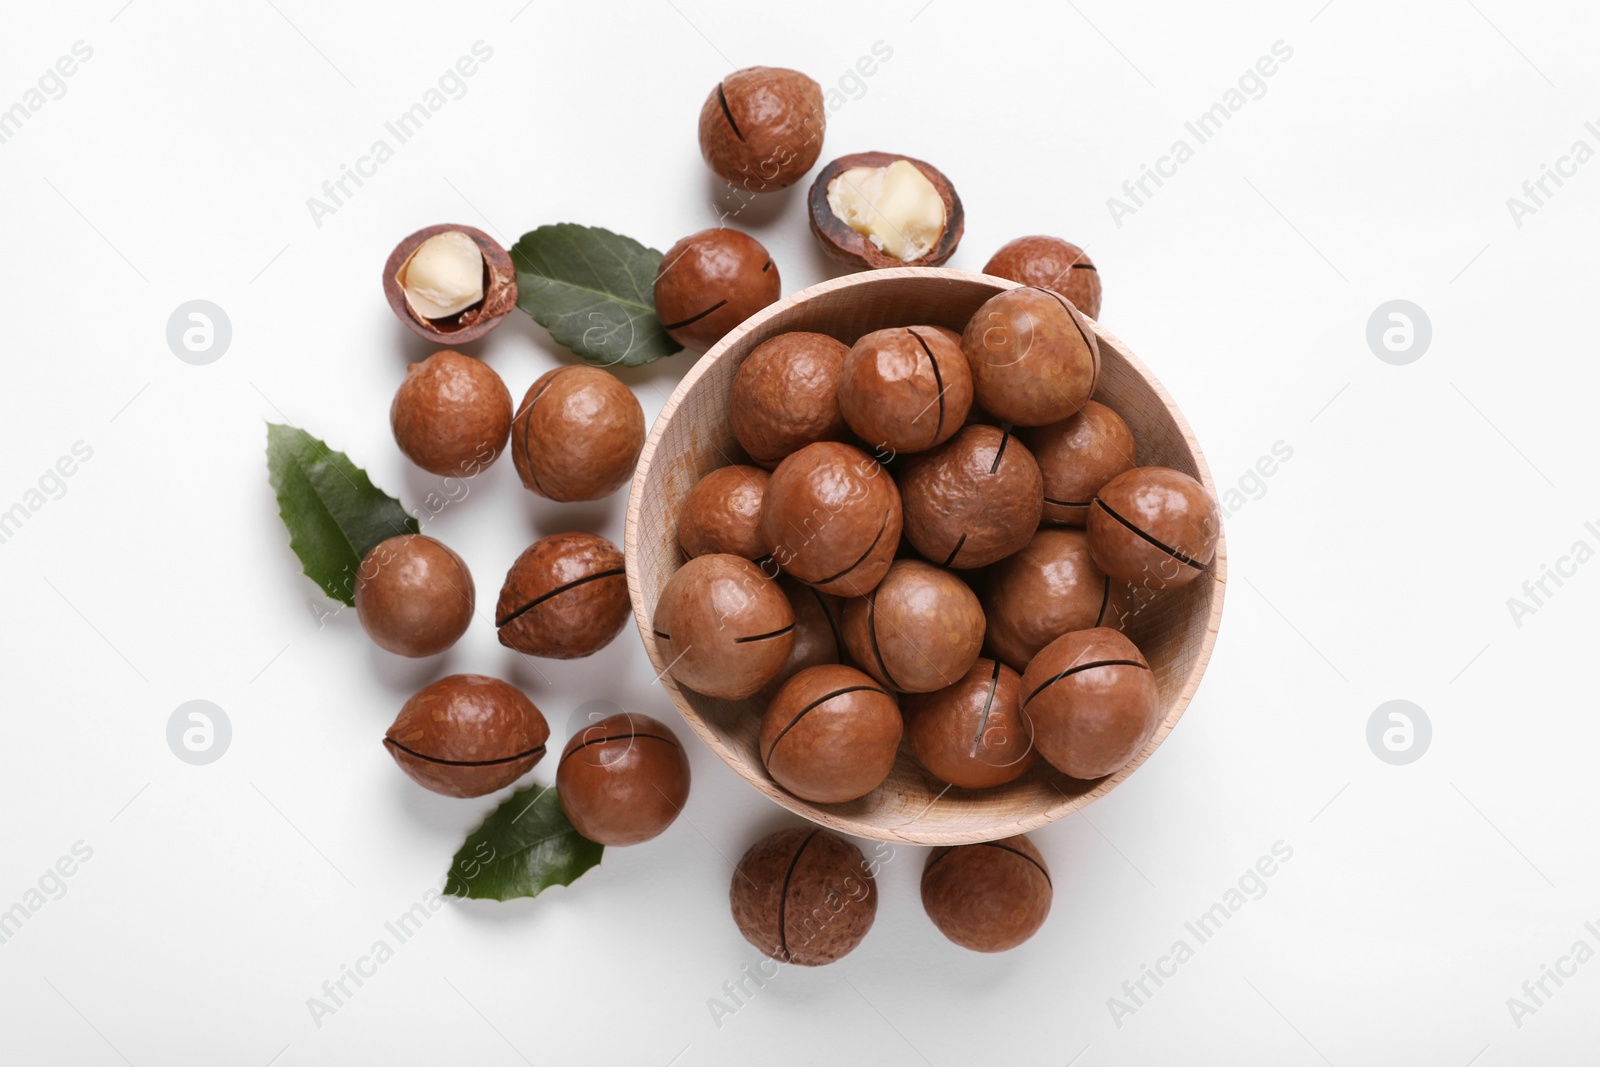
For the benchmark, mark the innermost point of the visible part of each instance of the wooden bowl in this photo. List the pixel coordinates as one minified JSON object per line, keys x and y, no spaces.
{"x":691,"y":438}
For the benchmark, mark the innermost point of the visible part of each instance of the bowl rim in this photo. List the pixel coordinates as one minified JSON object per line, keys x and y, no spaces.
{"x":1026,"y":820}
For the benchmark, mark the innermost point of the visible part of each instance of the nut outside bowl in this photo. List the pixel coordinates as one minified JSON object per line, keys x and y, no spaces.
{"x":1176,"y":631}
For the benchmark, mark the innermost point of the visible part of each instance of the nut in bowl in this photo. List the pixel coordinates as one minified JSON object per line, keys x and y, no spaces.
{"x":1173,"y":629}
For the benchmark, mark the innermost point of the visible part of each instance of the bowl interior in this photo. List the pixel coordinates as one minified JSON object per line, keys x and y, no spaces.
{"x":691,"y":438}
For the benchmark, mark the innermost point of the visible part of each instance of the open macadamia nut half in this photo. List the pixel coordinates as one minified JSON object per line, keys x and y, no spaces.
{"x":710,"y":282}
{"x":785,"y":396}
{"x":466,"y":735}
{"x":919,"y":630}
{"x":724,"y":628}
{"x":831,"y":518}
{"x":804,"y":896}
{"x":623,"y":780}
{"x":876,"y":209}
{"x":1154,"y":527}
{"x":451,"y":415}
{"x":450,"y":284}
{"x":1050,"y":263}
{"x":577,"y":435}
{"x":1077,"y":456}
{"x":988,"y":897}
{"x":973,"y":500}
{"x":1048,"y":588}
{"x":1033,"y":356}
{"x":414,"y":595}
{"x":1091,"y":701}
{"x":972,"y":734}
{"x":761,"y":128}
{"x":565,"y":597}
{"x":830,"y":735}
{"x":905,"y":389}
{"x":722,"y":513}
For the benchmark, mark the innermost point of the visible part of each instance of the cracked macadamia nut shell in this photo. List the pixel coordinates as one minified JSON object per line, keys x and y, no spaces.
{"x":1033,"y":357}
{"x":817,"y":640}
{"x":451,"y":415}
{"x":723,"y":626}
{"x":466,"y":735}
{"x":1154,"y":527}
{"x":710,"y":282}
{"x":577,"y":435}
{"x":761,"y":128}
{"x":1050,"y":263}
{"x":1048,"y":588}
{"x":565,"y":597}
{"x":905,"y":389}
{"x":830,"y":735}
{"x":919,"y":630}
{"x":785,"y":396}
{"x":972,"y":734}
{"x":499,"y":289}
{"x":988,"y":897}
{"x":831,"y":518}
{"x":414,"y":596}
{"x":722,"y":513}
{"x":803,"y":896}
{"x":1091,"y":701}
{"x":1078,"y":456}
{"x":852,"y":248}
{"x":623,"y":780}
{"x":973,"y":500}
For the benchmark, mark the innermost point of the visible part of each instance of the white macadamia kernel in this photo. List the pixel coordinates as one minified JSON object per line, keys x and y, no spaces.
{"x":444,"y":276}
{"x":896,"y":207}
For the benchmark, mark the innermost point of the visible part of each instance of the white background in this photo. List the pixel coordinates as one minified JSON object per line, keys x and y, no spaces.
{"x":1374,"y":565}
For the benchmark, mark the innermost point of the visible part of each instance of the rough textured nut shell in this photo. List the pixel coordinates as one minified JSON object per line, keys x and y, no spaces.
{"x":1034,"y":358}
{"x":1050,"y":263}
{"x":831,"y":518}
{"x":1092,"y":702}
{"x":973,"y":500}
{"x":1077,"y":457}
{"x":725,"y":628}
{"x":989,"y":897}
{"x":972,"y":734}
{"x":803,"y":896}
{"x":919,"y":630}
{"x":854,"y":249}
{"x":786,"y":396}
{"x":1154,"y":527}
{"x":906,"y":389}
{"x":1049,"y":588}
{"x":722,"y":513}
{"x":451,"y":415}
{"x":830,"y":735}
{"x":761,"y":128}
{"x":414,"y":596}
{"x":499,"y":289}
{"x":577,"y":435}
{"x":712,"y":281}
{"x":623,"y":780}
{"x":466,"y":735}
{"x":565,"y":597}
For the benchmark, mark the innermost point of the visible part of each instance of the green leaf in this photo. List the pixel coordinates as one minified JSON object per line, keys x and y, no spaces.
{"x":334,"y":513}
{"x":594,"y":290}
{"x":523,"y":848}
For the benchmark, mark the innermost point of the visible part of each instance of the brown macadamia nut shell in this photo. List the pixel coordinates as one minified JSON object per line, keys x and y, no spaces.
{"x":499,"y":289}
{"x":1092,"y":702}
{"x":1077,"y":457}
{"x":761,"y":128}
{"x":1050,"y":263}
{"x":623,"y":780}
{"x":723,"y":626}
{"x":972,"y":734}
{"x":565,"y":597}
{"x":1048,"y":588}
{"x":451,"y":415}
{"x":989,"y":897}
{"x":830,"y":735}
{"x":831,"y":518}
{"x":466,"y":735}
{"x":919,"y":630}
{"x":414,"y":595}
{"x":803,"y":896}
{"x":817,"y":640}
{"x":1154,"y":527}
{"x":785,"y":396}
{"x":1033,"y":357}
{"x":722,"y":513}
{"x":577,"y":435}
{"x":973,"y":500}
{"x":845,"y":245}
{"x":712,"y":281}
{"x":905,"y":389}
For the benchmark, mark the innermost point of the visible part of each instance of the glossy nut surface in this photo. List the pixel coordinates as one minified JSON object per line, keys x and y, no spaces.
{"x":623,"y":779}
{"x":1154,"y":527}
{"x":451,"y":415}
{"x":466,"y":735}
{"x":577,"y":435}
{"x":989,"y":897}
{"x":831,"y":518}
{"x":710,"y":282}
{"x":1033,"y":357}
{"x":830,"y":735}
{"x":1077,"y":457}
{"x":973,"y":500}
{"x":905,"y":389}
{"x":1049,"y":588}
{"x":785,"y":396}
{"x":817,"y":638}
{"x":723,"y":626}
{"x":414,"y":596}
{"x":722,"y":513}
{"x":1050,"y":263}
{"x":1092,"y":702}
{"x":565,"y":597}
{"x":761,"y":128}
{"x":919,"y":630}
{"x":803,"y":896}
{"x":972,"y":734}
